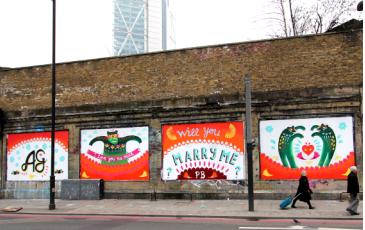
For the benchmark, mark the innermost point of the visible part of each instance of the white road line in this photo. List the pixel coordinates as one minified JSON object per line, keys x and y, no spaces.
{"x":338,"y":228}
{"x":274,"y":228}
{"x":294,"y":227}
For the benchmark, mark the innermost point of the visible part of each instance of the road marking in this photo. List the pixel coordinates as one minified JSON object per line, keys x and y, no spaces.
{"x":294,"y":227}
{"x":274,"y":228}
{"x":338,"y":228}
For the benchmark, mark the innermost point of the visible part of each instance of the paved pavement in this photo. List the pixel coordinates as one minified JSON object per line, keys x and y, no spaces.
{"x":324,"y":209}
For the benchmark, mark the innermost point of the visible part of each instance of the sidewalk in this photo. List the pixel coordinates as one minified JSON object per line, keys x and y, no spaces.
{"x":324,"y":209}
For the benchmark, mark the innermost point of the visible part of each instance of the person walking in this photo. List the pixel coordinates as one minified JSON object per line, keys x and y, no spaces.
{"x":304,"y":192}
{"x":353,"y":189}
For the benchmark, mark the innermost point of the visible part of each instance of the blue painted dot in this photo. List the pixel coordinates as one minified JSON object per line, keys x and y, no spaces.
{"x":28,"y":146}
{"x":342,"y":126}
{"x":62,"y":158}
{"x":56,"y":150}
{"x":44,"y":146}
{"x":12,"y":159}
{"x":36,"y":146}
{"x":17,"y":164}
{"x":17,"y":152}
{"x":269,"y":129}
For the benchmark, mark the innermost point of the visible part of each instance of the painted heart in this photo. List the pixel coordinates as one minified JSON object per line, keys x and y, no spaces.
{"x":307,"y":148}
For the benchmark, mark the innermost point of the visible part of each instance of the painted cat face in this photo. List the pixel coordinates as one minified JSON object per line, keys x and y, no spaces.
{"x":113,"y":137}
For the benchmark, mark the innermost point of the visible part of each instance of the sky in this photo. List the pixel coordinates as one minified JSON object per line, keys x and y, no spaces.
{"x":83,"y":31}
{"x":84,"y":27}
{"x":217,"y":22}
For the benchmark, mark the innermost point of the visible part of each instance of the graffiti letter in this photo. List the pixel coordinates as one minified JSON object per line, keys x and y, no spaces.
{"x":177,"y":157}
{"x":196,"y":154}
{"x":26,"y":163}
{"x":214,"y":152}
{"x":187,"y":157}
{"x":202,"y":175}
{"x":40,"y":163}
{"x":204,"y":153}
{"x":233,"y":158}
{"x":225,"y":155}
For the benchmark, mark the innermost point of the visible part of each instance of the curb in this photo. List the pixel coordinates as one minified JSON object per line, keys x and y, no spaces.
{"x":252,"y":218}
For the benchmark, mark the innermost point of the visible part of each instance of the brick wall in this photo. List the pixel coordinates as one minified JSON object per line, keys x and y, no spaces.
{"x":294,"y":77}
{"x":287,"y":64}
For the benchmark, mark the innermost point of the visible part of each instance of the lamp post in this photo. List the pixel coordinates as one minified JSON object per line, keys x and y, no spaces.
{"x":52,"y":204}
{"x":249,"y":144}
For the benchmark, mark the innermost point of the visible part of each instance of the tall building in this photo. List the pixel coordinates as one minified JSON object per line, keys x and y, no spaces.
{"x":142,"y":26}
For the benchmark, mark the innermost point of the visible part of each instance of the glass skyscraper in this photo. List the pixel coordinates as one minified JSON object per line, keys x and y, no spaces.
{"x":141,"y":26}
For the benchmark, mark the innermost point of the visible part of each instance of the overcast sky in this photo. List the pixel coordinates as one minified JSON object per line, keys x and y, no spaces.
{"x":84,"y":27}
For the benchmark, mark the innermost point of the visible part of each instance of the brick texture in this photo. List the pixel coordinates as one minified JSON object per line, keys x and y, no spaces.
{"x":328,"y":60}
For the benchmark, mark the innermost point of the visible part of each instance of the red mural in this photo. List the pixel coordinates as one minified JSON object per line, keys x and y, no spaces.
{"x":115,"y":154}
{"x":204,"y":151}
{"x":136,"y":170}
{"x":275,"y":171}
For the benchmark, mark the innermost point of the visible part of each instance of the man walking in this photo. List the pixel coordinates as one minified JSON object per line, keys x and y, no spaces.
{"x":353,"y":189}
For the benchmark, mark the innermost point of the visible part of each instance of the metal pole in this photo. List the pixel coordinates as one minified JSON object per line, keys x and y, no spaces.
{"x":52,"y":204}
{"x":164,"y":25}
{"x":249,"y":144}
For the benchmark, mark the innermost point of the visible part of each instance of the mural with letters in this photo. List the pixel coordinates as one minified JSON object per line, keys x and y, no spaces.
{"x":207,"y":151}
{"x":115,"y":154}
{"x":29,"y":156}
{"x":324,"y":147}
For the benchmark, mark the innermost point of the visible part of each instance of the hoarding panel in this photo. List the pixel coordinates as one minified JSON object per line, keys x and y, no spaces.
{"x":115,"y":154}
{"x":207,"y":151}
{"x":324,"y":147}
{"x":29,"y":156}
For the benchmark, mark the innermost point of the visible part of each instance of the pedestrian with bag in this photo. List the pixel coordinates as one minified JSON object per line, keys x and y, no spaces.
{"x":304,"y":192}
{"x":353,"y":189}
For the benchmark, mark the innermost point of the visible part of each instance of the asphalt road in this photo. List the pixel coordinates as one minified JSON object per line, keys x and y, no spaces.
{"x":55,"y":222}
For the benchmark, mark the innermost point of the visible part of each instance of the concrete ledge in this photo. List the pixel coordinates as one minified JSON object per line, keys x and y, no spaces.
{"x":147,"y":194}
{"x":216,"y":196}
{"x":119,"y":195}
{"x":26,"y":194}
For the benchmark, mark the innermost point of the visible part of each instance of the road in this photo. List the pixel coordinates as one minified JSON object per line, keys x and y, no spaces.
{"x":73,"y":222}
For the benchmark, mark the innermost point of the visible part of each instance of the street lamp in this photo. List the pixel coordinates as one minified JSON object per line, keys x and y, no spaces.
{"x":52,"y":204}
{"x":249,"y":144}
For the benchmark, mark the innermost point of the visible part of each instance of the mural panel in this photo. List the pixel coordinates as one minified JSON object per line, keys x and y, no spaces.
{"x":115,"y":154}
{"x":209,"y":151}
{"x":29,"y":156}
{"x":324,"y":147}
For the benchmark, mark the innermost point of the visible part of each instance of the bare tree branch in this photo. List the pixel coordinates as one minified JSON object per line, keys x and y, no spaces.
{"x":293,"y":19}
{"x":297,"y":18}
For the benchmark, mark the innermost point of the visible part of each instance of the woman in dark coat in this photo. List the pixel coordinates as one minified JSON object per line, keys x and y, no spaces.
{"x":353,"y":189}
{"x":304,"y":190}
